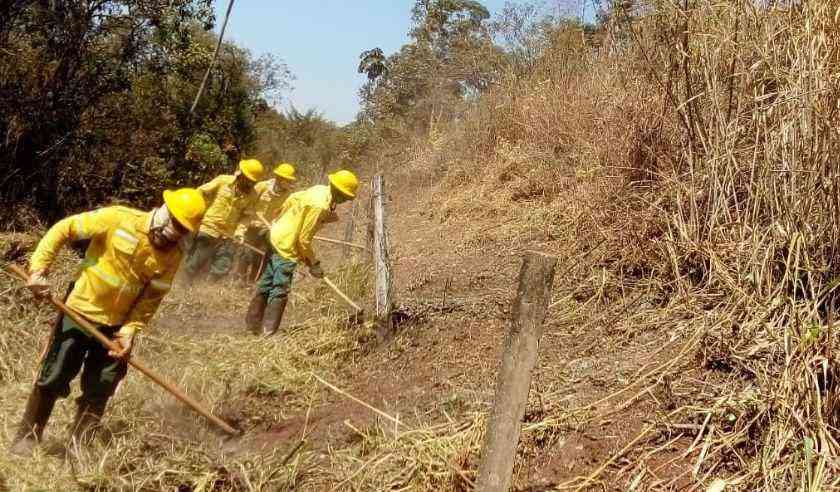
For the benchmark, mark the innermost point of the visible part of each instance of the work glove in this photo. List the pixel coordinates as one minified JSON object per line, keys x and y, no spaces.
{"x":263,"y":221}
{"x":38,"y":284}
{"x":124,"y":339}
{"x":316,"y":271}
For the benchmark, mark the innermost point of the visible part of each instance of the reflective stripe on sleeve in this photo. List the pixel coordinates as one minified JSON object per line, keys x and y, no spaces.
{"x":127,"y":236}
{"x":81,"y":227}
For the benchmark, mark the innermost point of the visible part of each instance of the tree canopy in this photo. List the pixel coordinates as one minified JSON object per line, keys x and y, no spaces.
{"x":95,"y":97}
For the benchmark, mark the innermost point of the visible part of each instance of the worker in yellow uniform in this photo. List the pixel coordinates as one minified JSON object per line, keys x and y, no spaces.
{"x":291,"y":237}
{"x":253,"y":231}
{"x":228,"y":197}
{"x":128,"y":268}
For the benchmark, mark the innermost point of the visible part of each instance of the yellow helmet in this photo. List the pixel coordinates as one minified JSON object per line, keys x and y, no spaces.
{"x":252,"y":169}
{"x":346,"y":182}
{"x":285,"y":171}
{"x":186,"y":205}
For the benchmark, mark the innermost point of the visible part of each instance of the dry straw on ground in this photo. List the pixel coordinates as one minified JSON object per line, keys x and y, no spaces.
{"x":701,"y":146}
{"x":686,"y":173}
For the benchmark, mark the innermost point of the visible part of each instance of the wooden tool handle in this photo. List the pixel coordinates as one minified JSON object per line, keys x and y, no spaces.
{"x":252,"y":248}
{"x":341,"y":294}
{"x":338,"y":241}
{"x":318,"y":238}
{"x":245,"y":244}
{"x":133,"y":361}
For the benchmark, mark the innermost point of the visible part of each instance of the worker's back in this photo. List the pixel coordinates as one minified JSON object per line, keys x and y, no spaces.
{"x":226,"y":206}
{"x":292,"y":232}
{"x":269,"y":202}
{"x":119,"y":264}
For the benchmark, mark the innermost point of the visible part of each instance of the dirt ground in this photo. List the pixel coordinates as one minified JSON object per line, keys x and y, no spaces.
{"x":454,"y":300}
{"x":592,"y":401}
{"x":458,"y":298}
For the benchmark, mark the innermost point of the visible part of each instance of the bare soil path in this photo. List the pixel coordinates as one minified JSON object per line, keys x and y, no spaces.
{"x":454,"y":298}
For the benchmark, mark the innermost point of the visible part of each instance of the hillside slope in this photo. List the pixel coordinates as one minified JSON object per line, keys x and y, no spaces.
{"x":606,"y":372}
{"x":454,"y":285}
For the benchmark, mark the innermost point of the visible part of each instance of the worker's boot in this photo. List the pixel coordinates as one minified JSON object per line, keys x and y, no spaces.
{"x":38,"y":410}
{"x":256,"y":311}
{"x":273,"y":316}
{"x":88,"y":417}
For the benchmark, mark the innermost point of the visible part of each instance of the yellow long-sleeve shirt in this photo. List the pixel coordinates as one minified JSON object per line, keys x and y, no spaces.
{"x":123,"y":277}
{"x":268,"y":205}
{"x":299,"y":221}
{"x":226,"y":206}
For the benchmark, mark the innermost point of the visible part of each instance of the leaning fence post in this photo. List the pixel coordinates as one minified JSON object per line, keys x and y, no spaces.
{"x":380,"y":257}
{"x":370,"y":220}
{"x":349,"y":230}
{"x":514,"y":377}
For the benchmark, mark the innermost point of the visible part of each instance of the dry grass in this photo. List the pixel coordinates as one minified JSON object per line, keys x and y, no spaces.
{"x":151,"y":442}
{"x":700,"y":157}
{"x":687,"y":178}
{"x":265,"y":387}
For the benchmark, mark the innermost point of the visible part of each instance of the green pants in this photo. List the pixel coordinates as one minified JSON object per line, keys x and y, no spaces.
{"x":276,"y":280}
{"x":208,"y":249}
{"x":249,"y":260}
{"x":72,"y":348}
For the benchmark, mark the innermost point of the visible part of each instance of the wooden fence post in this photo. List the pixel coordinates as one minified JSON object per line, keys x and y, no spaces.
{"x":514,"y":377}
{"x":370,"y":220}
{"x":349,"y":231}
{"x":381,"y":262}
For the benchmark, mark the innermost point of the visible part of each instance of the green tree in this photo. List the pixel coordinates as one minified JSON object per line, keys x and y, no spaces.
{"x":306,"y":139}
{"x":450,"y":59}
{"x":95,"y":97}
{"x":373,"y":64}
{"x":443,"y":22}
{"x":61,"y":61}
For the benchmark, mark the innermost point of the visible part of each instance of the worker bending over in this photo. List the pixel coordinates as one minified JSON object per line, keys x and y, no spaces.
{"x":128,"y":268}
{"x":228,"y":197}
{"x":291,"y":236}
{"x":253,"y":231}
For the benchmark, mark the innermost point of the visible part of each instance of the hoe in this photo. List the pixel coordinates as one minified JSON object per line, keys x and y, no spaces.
{"x":133,"y":361}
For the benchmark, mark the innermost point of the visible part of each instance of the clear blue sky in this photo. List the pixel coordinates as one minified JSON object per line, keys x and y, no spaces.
{"x":320,"y":41}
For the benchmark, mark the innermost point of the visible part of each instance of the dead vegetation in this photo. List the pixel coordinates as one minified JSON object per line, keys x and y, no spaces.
{"x":687,"y":178}
{"x":302,"y":429}
{"x":150,"y":442}
{"x":690,"y":186}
